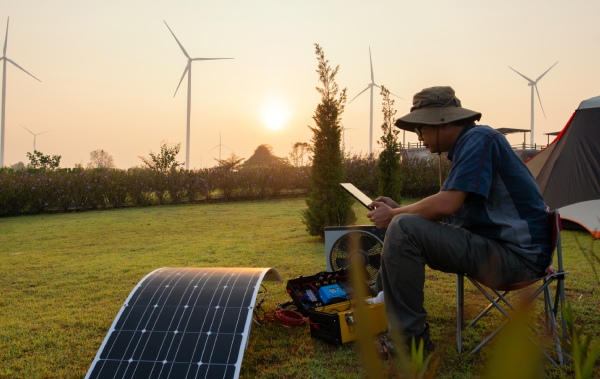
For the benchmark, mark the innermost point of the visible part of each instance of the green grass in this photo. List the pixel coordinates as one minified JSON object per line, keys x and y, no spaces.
{"x":64,"y":278}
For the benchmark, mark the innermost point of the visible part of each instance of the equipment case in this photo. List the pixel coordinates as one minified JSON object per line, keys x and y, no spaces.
{"x":338,"y":322}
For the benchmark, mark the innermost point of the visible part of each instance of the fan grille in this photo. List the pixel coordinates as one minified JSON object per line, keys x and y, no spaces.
{"x":357,"y":244}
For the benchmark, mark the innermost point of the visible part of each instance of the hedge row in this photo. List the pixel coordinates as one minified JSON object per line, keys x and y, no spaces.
{"x":34,"y":192}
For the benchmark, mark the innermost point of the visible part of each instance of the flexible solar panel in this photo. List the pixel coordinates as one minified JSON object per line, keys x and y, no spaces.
{"x":181,"y":323}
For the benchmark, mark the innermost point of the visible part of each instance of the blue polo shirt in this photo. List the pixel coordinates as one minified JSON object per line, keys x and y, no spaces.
{"x":503,"y":202}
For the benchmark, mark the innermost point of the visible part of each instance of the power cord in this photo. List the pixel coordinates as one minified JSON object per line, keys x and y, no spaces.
{"x":289,"y":317}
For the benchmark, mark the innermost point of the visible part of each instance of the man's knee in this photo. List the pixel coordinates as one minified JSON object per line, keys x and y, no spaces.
{"x":405,"y":225}
{"x":401,"y":236}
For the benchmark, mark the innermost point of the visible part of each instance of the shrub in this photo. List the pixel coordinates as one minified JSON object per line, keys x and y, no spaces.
{"x":116,"y":187}
{"x":421,"y":175}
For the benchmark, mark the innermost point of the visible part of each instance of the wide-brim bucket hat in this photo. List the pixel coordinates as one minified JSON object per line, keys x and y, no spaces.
{"x":435,"y":106}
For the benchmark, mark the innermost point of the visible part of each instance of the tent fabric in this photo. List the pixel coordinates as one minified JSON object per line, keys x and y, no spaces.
{"x":579,"y":213}
{"x":568,"y":170}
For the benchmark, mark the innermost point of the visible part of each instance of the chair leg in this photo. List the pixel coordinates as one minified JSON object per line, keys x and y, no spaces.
{"x":561,"y":288}
{"x":492,"y":305}
{"x":551,"y":319}
{"x":559,"y":304}
{"x":460,"y":302}
{"x":495,"y":303}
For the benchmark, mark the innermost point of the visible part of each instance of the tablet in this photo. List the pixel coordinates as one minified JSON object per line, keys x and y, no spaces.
{"x":357,"y":194}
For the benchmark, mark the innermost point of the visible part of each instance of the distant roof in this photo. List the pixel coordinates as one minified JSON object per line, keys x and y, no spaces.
{"x":511,"y":130}
{"x":552,"y":133}
{"x":594,"y":102}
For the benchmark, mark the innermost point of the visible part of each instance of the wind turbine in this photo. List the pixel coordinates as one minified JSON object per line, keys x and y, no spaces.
{"x":35,"y":135}
{"x":219,"y":146}
{"x":533,"y":84}
{"x":188,"y":71}
{"x":370,"y":87}
{"x":5,"y":59}
{"x":344,"y":136}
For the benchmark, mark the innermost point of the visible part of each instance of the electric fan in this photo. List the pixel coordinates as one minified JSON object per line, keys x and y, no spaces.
{"x":347,"y":245}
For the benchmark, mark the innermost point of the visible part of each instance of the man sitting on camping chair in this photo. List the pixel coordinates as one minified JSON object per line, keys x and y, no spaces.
{"x":495,"y":227}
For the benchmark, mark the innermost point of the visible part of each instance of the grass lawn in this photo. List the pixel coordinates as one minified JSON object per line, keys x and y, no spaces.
{"x":64,"y":278}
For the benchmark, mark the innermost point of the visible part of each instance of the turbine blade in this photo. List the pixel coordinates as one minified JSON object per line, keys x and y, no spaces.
{"x":6,"y":37}
{"x":208,"y":59}
{"x":45,"y":131}
{"x":399,"y":97}
{"x":179,"y":43}
{"x":369,"y":86}
{"x":13,"y":62}
{"x":27,"y":130}
{"x":529,"y":80}
{"x":371,"y":61}
{"x":545,"y":72}
{"x":182,"y":76}
{"x":540,"y":99}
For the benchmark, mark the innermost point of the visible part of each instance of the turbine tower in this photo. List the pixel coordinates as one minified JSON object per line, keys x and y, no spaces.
{"x":188,"y":71}
{"x":533,"y":85}
{"x":35,"y":135}
{"x":344,"y":136}
{"x":5,"y":59}
{"x":370,"y":87}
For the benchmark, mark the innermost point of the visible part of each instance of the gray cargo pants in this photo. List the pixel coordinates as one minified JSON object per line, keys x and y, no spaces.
{"x":412,"y":241}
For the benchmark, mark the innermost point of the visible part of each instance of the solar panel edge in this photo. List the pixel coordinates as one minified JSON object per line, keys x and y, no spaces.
{"x":114,"y":323}
{"x":246,"y":334}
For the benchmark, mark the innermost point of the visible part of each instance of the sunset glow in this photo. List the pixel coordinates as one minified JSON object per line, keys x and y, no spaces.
{"x":108,"y":72}
{"x":274,"y":114}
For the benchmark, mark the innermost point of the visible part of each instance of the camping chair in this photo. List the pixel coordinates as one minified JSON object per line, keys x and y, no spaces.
{"x":500,"y":301}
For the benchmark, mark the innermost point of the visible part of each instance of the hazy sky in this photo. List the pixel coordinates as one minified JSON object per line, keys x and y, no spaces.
{"x":109,"y":69}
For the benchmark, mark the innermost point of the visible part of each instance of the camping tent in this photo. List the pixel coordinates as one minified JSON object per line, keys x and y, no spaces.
{"x":568,"y":170}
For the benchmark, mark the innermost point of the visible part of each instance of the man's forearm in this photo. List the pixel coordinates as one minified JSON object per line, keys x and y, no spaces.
{"x":435,"y":207}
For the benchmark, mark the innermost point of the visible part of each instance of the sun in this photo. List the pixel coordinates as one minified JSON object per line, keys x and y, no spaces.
{"x":274,"y":114}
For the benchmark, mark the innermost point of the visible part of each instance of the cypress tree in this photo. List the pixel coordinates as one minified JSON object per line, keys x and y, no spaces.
{"x":328,"y":204}
{"x":390,"y":180}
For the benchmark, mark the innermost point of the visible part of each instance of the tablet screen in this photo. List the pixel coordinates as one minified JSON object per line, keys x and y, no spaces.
{"x":357,"y":194}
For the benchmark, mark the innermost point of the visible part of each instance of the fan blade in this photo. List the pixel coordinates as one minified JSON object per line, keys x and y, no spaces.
{"x":374,"y":261}
{"x":367,"y":242}
{"x":375,"y":250}
{"x":340,"y":263}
